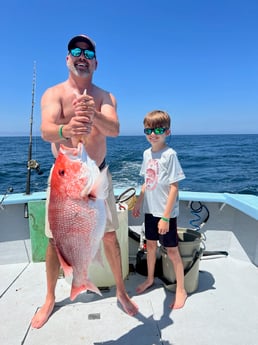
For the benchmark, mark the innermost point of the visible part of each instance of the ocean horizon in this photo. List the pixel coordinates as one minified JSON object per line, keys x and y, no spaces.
{"x":211,"y":162}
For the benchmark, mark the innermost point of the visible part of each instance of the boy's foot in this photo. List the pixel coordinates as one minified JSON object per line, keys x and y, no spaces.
{"x":42,"y":315}
{"x":179,"y":301}
{"x":144,"y":286}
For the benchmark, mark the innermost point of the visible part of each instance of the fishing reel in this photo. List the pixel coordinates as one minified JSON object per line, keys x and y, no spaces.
{"x":33,"y":164}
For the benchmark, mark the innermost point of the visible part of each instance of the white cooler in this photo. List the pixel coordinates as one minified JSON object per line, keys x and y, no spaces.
{"x":102,"y":276}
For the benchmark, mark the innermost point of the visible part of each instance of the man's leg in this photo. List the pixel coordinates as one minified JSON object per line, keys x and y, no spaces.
{"x":113,"y":254}
{"x":52,"y":272}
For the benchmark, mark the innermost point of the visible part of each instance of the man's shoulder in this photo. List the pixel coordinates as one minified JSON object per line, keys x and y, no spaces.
{"x":57,"y":87}
{"x":100,"y":91}
{"x":103,"y":96}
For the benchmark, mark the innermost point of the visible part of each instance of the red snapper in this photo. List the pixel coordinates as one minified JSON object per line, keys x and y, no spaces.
{"x":77,"y":213}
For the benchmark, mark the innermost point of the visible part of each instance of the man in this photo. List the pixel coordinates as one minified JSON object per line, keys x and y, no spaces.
{"x":74,"y":110}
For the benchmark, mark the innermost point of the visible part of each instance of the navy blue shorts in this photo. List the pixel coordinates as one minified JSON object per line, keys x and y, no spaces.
{"x":170,"y":239}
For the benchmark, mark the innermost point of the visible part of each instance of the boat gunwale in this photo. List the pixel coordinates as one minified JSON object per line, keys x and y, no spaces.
{"x":245,"y":203}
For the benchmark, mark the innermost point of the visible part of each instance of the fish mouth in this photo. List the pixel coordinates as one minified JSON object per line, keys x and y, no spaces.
{"x":74,"y":153}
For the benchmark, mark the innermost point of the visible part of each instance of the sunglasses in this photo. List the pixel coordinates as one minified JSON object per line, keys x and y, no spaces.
{"x":157,"y":131}
{"x":76,"y":52}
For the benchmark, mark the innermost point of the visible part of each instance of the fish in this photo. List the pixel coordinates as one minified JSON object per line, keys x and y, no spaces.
{"x":77,"y":214}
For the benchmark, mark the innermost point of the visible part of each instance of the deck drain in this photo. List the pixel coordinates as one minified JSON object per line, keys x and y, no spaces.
{"x":94,"y":316}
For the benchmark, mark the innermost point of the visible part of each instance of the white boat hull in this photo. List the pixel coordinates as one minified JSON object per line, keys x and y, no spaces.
{"x":223,"y":309}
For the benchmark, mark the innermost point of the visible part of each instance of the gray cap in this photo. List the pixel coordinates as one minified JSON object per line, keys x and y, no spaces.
{"x":82,"y":38}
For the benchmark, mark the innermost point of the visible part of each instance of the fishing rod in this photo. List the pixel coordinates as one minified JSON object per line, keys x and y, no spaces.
{"x":32,"y":163}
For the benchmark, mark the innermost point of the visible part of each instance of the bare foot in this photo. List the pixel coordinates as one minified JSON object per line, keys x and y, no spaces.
{"x":42,"y":315}
{"x":144,"y":286}
{"x":179,"y":301}
{"x":129,"y":306}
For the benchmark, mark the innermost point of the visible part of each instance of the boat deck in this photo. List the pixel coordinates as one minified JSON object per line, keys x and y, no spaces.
{"x":223,"y":310}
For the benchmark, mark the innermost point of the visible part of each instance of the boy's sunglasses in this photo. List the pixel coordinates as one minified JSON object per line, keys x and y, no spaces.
{"x":76,"y":52}
{"x":157,"y":131}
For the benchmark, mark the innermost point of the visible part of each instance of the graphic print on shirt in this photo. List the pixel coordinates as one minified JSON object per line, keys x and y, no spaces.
{"x":152,"y":174}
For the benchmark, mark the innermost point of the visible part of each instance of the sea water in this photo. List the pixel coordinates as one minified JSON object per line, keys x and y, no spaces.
{"x":211,"y":163}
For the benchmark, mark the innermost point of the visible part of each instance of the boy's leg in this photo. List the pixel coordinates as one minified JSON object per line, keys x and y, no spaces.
{"x":181,"y":295}
{"x":151,"y":261}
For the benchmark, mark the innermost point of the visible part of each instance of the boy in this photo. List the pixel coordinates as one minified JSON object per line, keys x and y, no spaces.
{"x":159,"y":195}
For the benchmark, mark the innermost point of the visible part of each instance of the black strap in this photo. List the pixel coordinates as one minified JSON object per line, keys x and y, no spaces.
{"x":215,"y":252}
{"x":197,"y":255}
{"x":102,"y":165}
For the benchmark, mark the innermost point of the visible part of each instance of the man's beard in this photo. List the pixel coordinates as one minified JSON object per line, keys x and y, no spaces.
{"x":72,"y":68}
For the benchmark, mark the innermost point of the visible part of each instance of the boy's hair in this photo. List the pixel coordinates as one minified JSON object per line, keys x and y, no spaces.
{"x":157,"y":118}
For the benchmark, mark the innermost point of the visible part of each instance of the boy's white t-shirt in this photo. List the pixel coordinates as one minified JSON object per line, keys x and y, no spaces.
{"x":160,"y":169}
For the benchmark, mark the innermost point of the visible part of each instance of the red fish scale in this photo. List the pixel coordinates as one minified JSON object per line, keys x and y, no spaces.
{"x":72,"y":224}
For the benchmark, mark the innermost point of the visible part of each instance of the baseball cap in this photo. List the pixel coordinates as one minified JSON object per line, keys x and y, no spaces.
{"x":82,"y":38}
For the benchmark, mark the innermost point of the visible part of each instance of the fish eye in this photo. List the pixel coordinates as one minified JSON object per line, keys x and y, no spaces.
{"x":61,"y":172}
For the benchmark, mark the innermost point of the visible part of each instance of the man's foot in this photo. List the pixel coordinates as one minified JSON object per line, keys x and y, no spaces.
{"x":144,"y":286}
{"x":179,"y":301}
{"x":129,"y":306}
{"x":42,"y":315}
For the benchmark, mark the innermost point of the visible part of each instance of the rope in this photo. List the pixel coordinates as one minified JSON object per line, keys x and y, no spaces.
{"x":197,"y":222}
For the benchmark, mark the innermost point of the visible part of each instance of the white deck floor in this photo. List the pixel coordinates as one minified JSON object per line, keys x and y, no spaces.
{"x":223,"y":311}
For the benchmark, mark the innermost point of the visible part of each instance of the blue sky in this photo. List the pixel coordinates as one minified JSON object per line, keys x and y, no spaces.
{"x":196,"y":59}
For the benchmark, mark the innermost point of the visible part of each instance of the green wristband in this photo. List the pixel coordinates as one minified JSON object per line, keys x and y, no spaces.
{"x":60,"y":132}
{"x":165,"y":219}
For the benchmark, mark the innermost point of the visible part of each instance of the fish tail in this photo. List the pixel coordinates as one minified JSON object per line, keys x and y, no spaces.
{"x":76,"y":290}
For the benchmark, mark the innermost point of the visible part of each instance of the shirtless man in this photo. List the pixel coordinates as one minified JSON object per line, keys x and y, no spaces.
{"x":79,"y":110}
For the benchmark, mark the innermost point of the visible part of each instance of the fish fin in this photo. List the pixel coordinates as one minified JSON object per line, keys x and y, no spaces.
{"x":98,"y":257}
{"x":92,"y":178}
{"x":68,"y":270}
{"x":76,"y":290}
{"x":100,"y":187}
{"x":108,"y":212}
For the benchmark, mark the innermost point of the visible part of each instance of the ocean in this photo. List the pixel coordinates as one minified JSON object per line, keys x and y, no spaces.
{"x":211,"y":163}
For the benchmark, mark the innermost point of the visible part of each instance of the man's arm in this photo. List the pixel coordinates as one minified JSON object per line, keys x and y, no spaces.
{"x":50,"y":114}
{"x":106,"y":120}
{"x":56,"y":127}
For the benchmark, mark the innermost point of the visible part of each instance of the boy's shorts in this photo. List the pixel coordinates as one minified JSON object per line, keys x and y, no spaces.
{"x":111,"y":224}
{"x":170,"y":239}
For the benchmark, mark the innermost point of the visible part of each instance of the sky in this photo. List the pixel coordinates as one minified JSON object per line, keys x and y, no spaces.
{"x":195,"y":59}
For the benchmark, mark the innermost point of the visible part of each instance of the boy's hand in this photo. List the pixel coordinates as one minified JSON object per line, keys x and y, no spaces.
{"x":163,"y":227}
{"x":136,"y":210}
